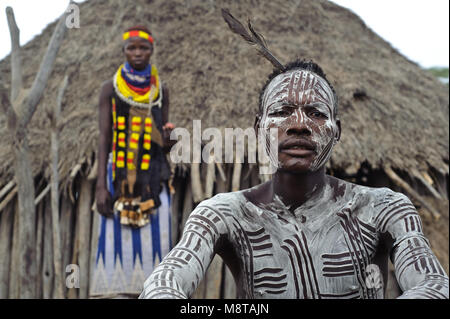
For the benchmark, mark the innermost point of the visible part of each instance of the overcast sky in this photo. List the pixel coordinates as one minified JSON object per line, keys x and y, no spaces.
{"x":419,"y":29}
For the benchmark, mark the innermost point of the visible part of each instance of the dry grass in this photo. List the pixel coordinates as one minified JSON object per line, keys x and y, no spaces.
{"x":398,"y":116}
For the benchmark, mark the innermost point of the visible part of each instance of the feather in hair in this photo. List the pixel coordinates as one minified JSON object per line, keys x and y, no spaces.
{"x":252,"y":38}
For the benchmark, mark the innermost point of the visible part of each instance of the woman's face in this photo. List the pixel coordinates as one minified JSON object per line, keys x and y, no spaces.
{"x":300,"y":104}
{"x":137,"y":52}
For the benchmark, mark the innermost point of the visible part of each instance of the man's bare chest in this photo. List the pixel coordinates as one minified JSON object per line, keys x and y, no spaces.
{"x":294,"y":257}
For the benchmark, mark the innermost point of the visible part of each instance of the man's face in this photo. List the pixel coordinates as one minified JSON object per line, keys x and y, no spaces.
{"x":300,"y":105}
{"x":137,"y":52}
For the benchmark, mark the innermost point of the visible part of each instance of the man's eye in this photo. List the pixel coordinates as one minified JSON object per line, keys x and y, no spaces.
{"x":280,"y":113}
{"x":318,"y":114}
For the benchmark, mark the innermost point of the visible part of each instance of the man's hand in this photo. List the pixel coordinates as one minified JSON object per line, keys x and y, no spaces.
{"x":104,"y":202}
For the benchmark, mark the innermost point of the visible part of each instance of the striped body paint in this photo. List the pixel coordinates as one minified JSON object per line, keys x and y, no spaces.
{"x":327,"y":248}
{"x":301,"y":99}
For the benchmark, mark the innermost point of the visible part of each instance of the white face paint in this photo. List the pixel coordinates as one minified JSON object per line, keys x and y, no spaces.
{"x":301,"y":99}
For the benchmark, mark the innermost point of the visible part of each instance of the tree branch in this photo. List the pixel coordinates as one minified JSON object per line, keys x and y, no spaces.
{"x":16,"y":57}
{"x":43,"y":74}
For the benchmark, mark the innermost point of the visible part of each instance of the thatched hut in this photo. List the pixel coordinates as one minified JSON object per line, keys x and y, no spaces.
{"x":394,"y":114}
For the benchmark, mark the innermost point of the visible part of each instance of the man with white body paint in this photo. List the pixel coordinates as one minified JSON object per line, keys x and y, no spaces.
{"x":303,"y":234}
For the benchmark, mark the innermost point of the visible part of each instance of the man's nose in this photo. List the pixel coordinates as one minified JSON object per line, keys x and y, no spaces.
{"x":298,"y":124}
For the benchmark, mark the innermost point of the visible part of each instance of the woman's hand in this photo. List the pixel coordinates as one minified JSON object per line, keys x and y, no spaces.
{"x":167,"y":129}
{"x":104,"y":202}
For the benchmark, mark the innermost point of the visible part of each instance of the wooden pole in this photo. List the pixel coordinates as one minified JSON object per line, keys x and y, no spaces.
{"x":230,"y":285}
{"x":13,"y":291}
{"x":402,"y":184}
{"x":254,"y":176}
{"x":221,"y":172}
{"x":236,"y":180}
{"x":427,"y":182}
{"x":245,"y":176}
{"x":210,"y":176}
{"x":67,"y":221}
{"x":19,"y":115}
{"x":440,"y":180}
{"x":187,"y":206}
{"x":94,"y":237}
{"x":42,"y":194}
{"x":40,"y":247}
{"x":59,"y":284}
{"x":93,"y":173}
{"x":84,"y":215}
{"x":73,"y":293}
{"x":7,"y":188}
{"x":199,"y":293}
{"x":8,"y":198}
{"x":47,"y":267}
{"x":196,"y":184}
{"x":6,"y":223}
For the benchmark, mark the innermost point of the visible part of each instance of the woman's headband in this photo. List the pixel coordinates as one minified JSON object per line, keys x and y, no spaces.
{"x":137,"y":33}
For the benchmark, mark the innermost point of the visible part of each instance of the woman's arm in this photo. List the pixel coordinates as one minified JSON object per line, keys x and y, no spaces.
{"x":165,"y":104}
{"x":103,"y":197}
{"x":167,"y":126}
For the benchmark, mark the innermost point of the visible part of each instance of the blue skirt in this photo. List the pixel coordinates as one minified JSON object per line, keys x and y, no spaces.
{"x":126,"y":256}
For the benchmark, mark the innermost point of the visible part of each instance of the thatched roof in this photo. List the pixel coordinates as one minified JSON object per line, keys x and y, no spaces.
{"x":392,"y":111}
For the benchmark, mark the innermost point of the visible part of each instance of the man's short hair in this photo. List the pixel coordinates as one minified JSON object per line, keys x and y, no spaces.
{"x":302,"y":65}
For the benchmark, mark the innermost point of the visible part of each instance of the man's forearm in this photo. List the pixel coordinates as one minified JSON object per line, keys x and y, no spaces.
{"x":418,"y":271}
{"x":432,"y":287}
{"x":181,"y":271}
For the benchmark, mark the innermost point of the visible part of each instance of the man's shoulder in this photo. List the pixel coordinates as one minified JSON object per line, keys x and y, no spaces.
{"x":218,"y":208}
{"x":382,"y":196}
{"x":380,"y":206}
{"x":223,"y":200}
{"x":374,"y":195}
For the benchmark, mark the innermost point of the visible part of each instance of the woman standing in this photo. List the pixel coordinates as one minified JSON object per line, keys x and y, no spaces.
{"x":132,"y":190}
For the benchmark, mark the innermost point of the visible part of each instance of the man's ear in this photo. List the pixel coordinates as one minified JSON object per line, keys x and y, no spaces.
{"x":337,"y":135}
{"x":256,"y":123}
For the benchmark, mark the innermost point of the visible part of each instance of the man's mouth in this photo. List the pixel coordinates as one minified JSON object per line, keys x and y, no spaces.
{"x":298,"y":148}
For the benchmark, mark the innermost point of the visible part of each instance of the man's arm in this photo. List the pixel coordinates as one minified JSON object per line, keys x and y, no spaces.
{"x":418,"y":271}
{"x":180,"y":272}
{"x":103,"y":198}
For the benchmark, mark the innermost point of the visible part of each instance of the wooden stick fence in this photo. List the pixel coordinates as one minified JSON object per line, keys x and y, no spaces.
{"x":78,"y":226}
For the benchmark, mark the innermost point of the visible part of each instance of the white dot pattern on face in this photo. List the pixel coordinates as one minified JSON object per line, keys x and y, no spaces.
{"x":300,"y":87}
